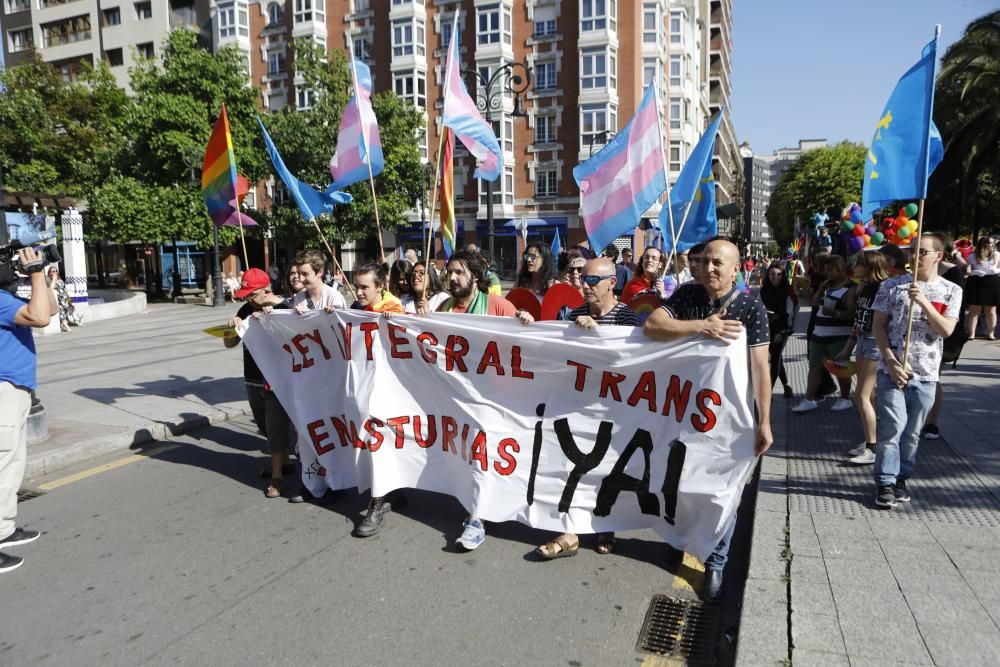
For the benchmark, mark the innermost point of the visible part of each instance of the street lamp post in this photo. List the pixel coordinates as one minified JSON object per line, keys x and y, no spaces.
{"x":513,"y":79}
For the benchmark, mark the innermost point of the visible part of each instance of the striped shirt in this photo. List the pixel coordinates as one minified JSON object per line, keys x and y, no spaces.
{"x":832,"y":326}
{"x":620,"y":315}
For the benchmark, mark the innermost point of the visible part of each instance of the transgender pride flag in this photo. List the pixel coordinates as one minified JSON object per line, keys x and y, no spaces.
{"x":623,"y":180}
{"x":358,"y":143}
{"x":462,"y":116}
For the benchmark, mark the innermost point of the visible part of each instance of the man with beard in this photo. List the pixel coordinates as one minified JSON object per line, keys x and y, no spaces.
{"x":469,"y":287}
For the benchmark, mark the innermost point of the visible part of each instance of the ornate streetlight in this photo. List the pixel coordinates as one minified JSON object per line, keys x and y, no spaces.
{"x":510,"y":79}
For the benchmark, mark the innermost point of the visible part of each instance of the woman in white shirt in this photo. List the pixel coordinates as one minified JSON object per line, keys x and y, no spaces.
{"x":413,"y":303}
{"x":982,"y":290}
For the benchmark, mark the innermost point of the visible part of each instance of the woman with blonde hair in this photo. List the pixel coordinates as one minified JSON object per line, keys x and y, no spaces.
{"x":982,"y":290}
{"x":871,"y":269}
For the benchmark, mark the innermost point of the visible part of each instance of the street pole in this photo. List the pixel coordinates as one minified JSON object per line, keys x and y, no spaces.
{"x":220,"y":298}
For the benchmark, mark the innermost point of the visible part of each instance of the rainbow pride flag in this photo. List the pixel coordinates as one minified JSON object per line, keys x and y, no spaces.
{"x":218,"y":173}
{"x":448,"y":194}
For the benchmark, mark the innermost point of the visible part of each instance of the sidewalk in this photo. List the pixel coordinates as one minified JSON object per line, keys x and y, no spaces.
{"x":116,"y":384}
{"x":834,"y":581}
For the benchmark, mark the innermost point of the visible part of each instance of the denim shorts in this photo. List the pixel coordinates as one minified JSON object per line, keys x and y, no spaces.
{"x":867,"y":348}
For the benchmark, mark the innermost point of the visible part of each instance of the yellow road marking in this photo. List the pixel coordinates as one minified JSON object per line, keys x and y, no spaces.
{"x":97,"y":470}
{"x":696,"y":574}
{"x":660,"y":661}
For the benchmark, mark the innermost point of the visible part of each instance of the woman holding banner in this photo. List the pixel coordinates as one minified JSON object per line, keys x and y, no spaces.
{"x":537,"y":271}
{"x":413,"y":304}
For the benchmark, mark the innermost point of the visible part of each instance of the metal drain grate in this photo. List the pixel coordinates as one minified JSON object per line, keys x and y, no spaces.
{"x":27,"y":494}
{"x":676,"y":628}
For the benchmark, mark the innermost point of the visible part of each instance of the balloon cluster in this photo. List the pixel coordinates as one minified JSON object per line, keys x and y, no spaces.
{"x":857,"y":233}
{"x":901,"y":229}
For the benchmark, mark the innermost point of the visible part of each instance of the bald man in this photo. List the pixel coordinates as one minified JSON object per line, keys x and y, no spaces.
{"x":716,"y":309}
{"x":601,"y":308}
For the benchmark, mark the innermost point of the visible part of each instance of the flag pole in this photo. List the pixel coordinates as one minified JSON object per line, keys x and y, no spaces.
{"x":243,"y":240}
{"x":915,"y":260}
{"x":434,"y":196}
{"x":368,"y":161}
{"x":336,"y":264}
{"x":666,"y":180}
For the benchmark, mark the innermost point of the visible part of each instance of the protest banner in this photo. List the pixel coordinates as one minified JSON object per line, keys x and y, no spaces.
{"x":550,"y":425}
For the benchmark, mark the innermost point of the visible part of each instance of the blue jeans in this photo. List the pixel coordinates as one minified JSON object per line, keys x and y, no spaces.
{"x":901,"y":415}
{"x":717,"y":559}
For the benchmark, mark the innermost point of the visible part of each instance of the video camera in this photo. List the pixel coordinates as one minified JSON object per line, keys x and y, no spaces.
{"x":10,"y":261}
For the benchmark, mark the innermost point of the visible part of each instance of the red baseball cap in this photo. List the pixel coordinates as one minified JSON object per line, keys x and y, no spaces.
{"x":253,"y":280}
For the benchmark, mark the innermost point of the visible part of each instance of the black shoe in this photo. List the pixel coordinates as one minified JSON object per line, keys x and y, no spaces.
{"x":673,"y":558}
{"x":902,"y":495}
{"x":18,"y":537}
{"x":373,"y":519}
{"x":8,"y":562}
{"x":886,"y":497}
{"x":788,"y":392}
{"x":713,"y":585}
{"x":930,"y":432}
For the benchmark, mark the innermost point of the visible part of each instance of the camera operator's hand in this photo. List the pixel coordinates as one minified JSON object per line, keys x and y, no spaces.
{"x":31,"y":261}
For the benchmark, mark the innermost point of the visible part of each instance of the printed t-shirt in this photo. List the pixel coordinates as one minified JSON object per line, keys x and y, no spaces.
{"x":692,"y":302}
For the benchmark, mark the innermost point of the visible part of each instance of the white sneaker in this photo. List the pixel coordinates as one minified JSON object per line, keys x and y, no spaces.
{"x":859,"y":450}
{"x":841,"y":404}
{"x":865,"y":458}
{"x":805,"y":405}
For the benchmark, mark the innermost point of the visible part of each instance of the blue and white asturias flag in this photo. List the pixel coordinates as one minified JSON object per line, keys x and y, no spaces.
{"x":906,"y":146}
{"x":694,"y":192}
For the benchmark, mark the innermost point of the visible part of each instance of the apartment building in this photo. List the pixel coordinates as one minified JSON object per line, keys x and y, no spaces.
{"x":67,"y":33}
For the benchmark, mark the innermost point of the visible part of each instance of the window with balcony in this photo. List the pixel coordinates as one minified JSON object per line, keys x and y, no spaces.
{"x":275,"y":62}
{"x":676,"y":28}
{"x":545,"y":76}
{"x":309,"y":10}
{"x":114,"y":57}
{"x":446,"y":26}
{"x":45,"y":4}
{"x":597,"y":68}
{"x":408,"y":37}
{"x":412,"y":86}
{"x":596,"y":120}
{"x":675,"y":113}
{"x":598,"y":15}
{"x":508,"y":135}
{"x":66,"y":31}
{"x":545,"y":129}
{"x":676,"y":70}
{"x":143,"y":11}
{"x":545,"y":28}
{"x":650,"y":23}
{"x":111,"y":16}
{"x":546,"y":183}
{"x":305,"y":98}
{"x":145,"y":50}
{"x":361,"y":5}
{"x":675,"y":156}
{"x":20,"y":40}
{"x":361,"y":48}
{"x":275,"y":14}
{"x":15,"y":6}
{"x":493,"y":22}
{"x":503,"y":190}
{"x":227,"y":21}
{"x":649,"y":67}
{"x":508,"y":186}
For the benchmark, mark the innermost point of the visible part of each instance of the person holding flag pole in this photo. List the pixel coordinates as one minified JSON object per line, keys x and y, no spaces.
{"x":913,"y":313}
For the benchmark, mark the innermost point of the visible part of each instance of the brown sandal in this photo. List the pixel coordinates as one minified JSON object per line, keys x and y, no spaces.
{"x":274,"y":489}
{"x":548,"y":551}
{"x":605,"y":543}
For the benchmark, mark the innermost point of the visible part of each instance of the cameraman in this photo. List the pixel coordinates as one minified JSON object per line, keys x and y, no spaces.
{"x":17,"y":381}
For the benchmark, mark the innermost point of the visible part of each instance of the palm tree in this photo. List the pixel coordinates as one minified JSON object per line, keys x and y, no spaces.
{"x":968,"y":114}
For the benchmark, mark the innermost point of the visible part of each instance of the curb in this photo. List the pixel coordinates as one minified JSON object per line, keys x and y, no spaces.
{"x":58,"y":458}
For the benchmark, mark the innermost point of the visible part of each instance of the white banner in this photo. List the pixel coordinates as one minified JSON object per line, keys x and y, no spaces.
{"x":547,"y":424}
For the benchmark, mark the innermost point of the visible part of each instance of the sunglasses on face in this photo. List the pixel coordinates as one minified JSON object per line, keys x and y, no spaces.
{"x":575,"y":269}
{"x":924,"y":252}
{"x":592,"y":281}
{"x":529,"y":257}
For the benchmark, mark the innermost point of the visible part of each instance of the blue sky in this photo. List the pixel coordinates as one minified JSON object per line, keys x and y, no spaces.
{"x":808,"y":69}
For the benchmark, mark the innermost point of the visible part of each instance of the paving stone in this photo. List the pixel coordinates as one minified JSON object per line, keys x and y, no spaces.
{"x":802,"y":536}
{"x":950,"y":534}
{"x":765,"y":596}
{"x":808,"y":568}
{"x":860,"y":549}
{"x":916,"y":578}
{"x":808,"y":658}
{"x":974,"y":556}
{"x":886,"y":638}
{"x":870,"y":604}
{"x":935,"y":607}
{"x":816,"y":632}
{"x":985,"y":584}
{"x":812,"y":597}
{"x":951,"y":645}
{"x":890,"y":531}
{"x":866,"y":574}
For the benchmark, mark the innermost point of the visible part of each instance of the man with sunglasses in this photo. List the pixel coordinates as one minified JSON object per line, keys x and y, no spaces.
{"x":905,"y":386}
{"x":716,"y":309}
{"x":601,"y":308}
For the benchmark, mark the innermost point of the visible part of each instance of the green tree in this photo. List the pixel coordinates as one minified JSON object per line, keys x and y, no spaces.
{"x":963,"y":190}
{"x":824,"y":178}
{"x":307,"y":138}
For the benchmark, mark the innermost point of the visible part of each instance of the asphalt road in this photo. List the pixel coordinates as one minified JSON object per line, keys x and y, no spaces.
{"x":174,"y":556}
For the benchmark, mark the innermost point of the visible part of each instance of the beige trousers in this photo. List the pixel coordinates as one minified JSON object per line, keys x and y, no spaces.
{"x":14,"y":406}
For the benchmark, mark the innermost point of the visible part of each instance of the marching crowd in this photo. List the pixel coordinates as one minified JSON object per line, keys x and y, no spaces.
{"x":860,"y":311}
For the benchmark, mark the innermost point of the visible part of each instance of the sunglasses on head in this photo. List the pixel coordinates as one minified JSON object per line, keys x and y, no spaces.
{"x":592,"y":281}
